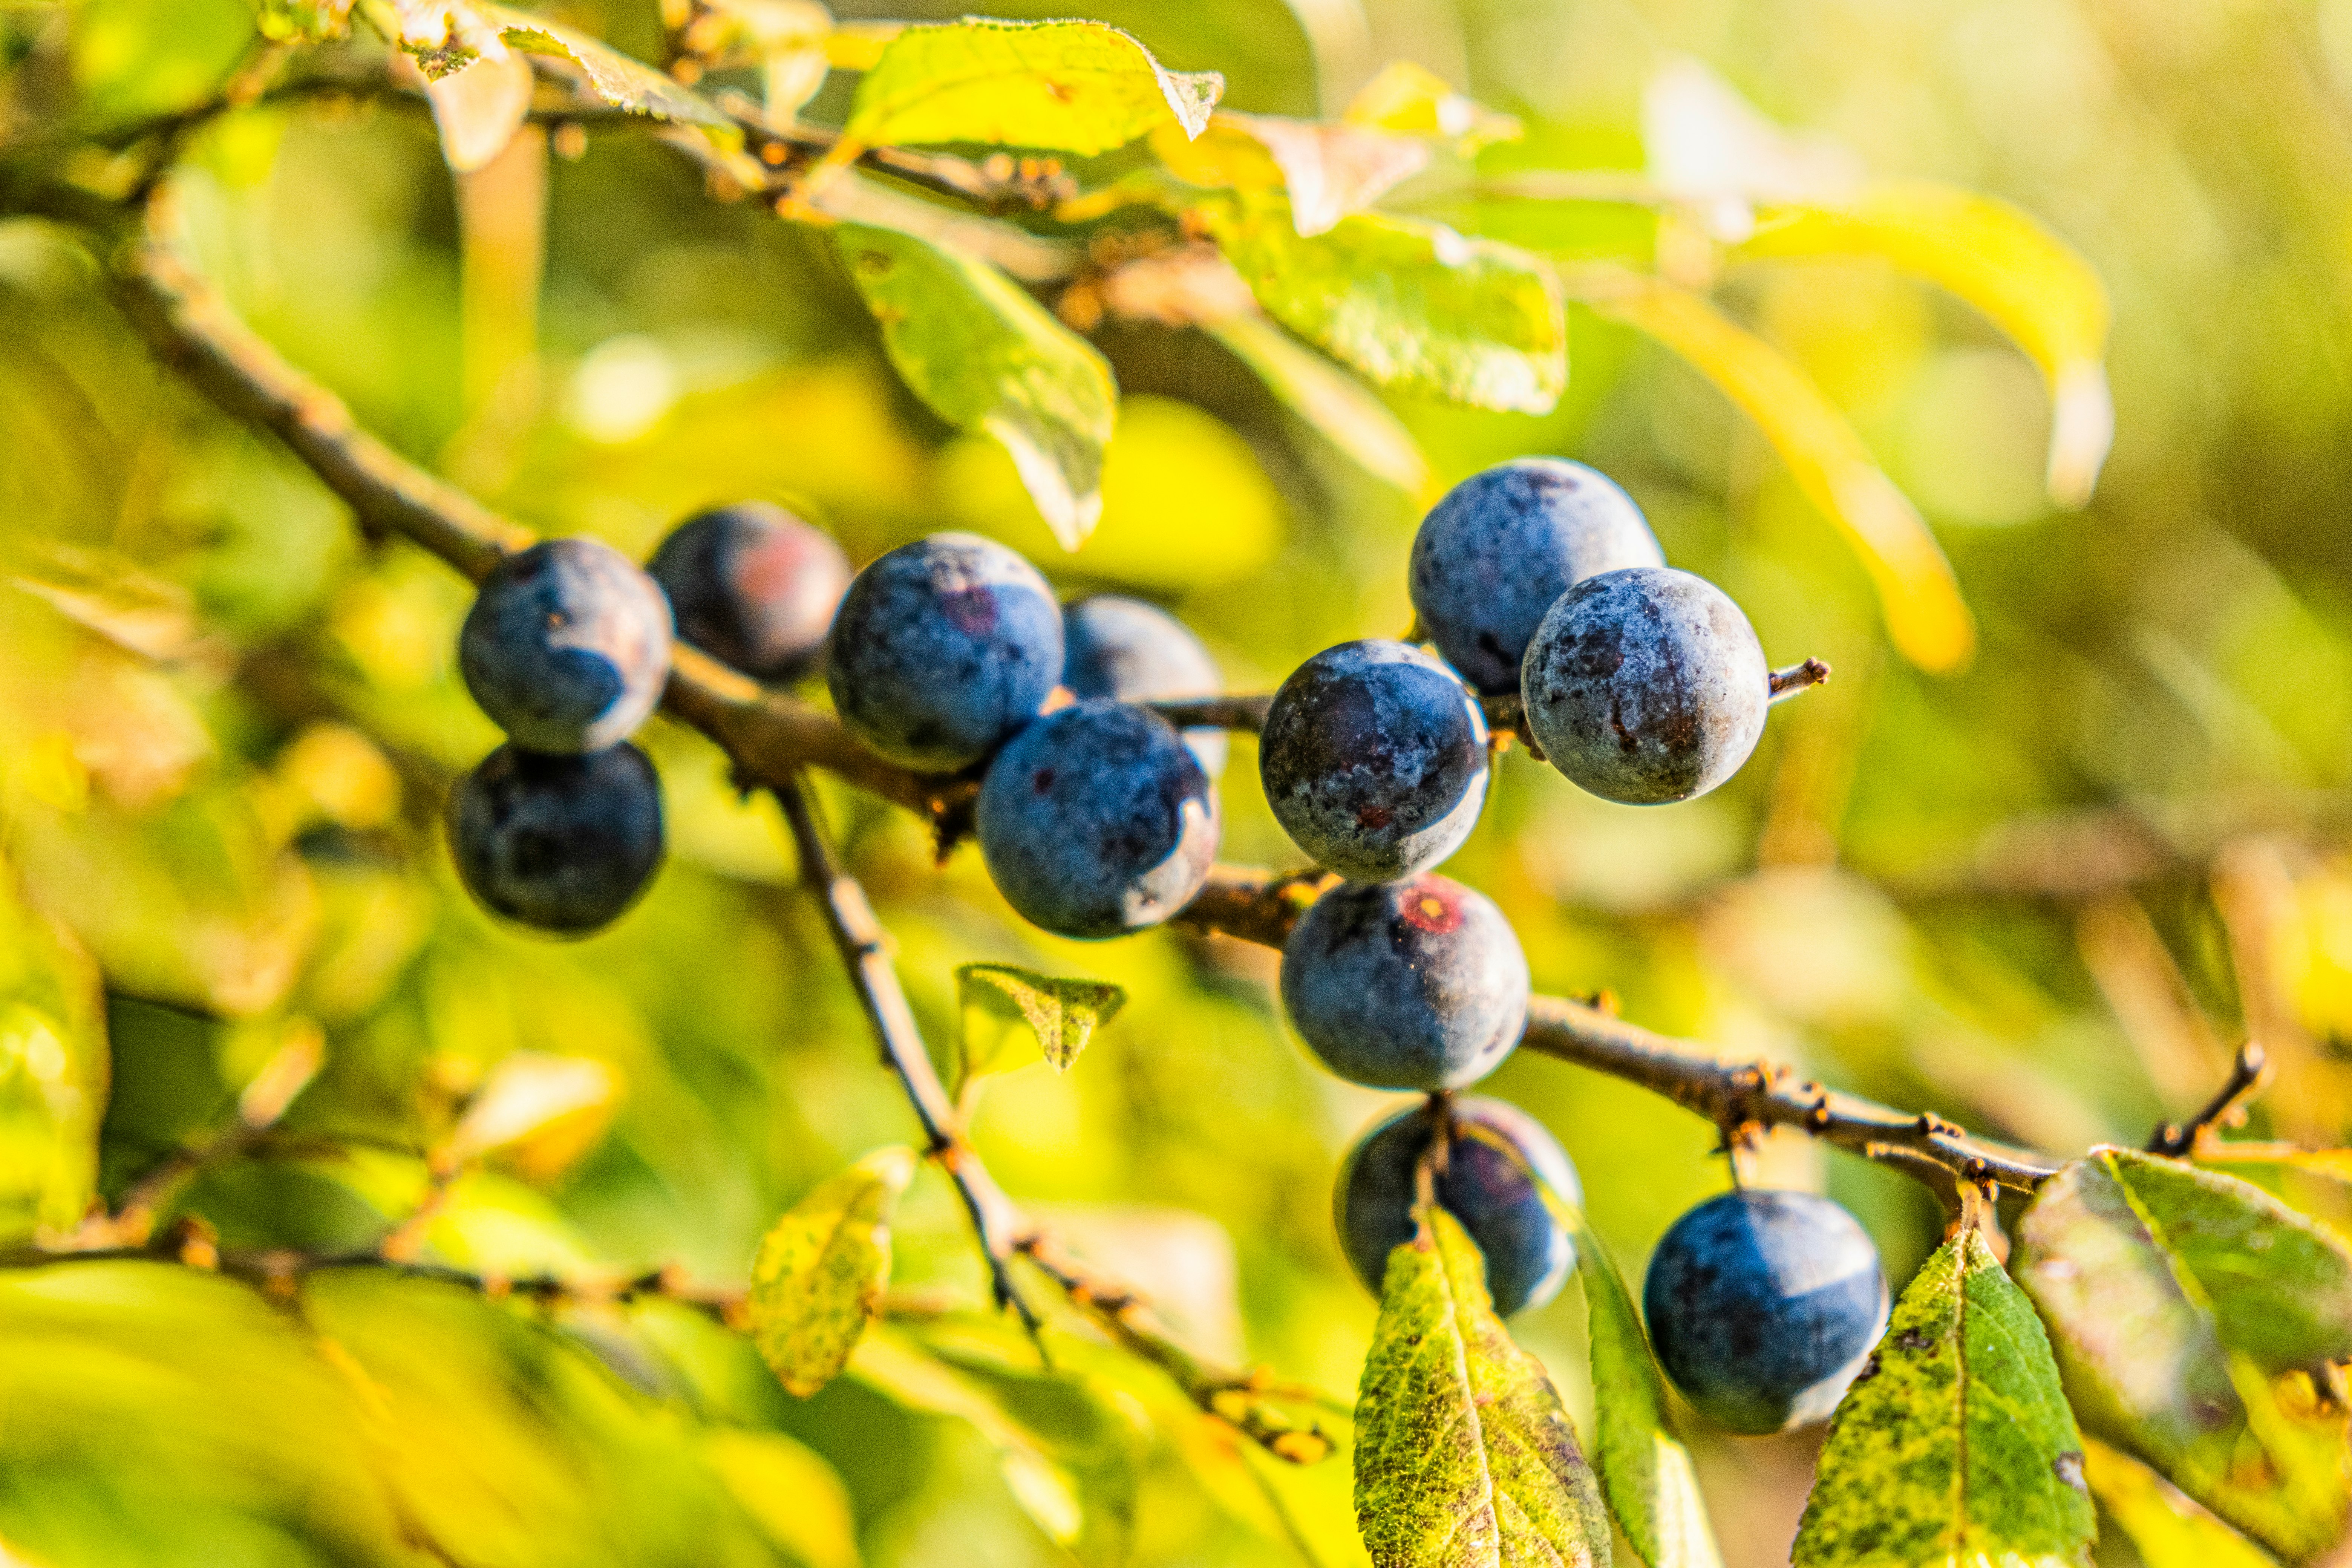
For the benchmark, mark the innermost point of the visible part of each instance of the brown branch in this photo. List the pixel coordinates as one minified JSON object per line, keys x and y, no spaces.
{"x":2247,"y":1075}
{"x":1263,"y":907}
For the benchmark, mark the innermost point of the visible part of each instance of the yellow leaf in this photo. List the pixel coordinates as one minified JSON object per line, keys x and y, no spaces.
{"x":1418,"y":102}
{"x":2027,"y":281}
{"x":542,"y":1112}
{"x":820,"y":1273}
{"x":1921,"y":598}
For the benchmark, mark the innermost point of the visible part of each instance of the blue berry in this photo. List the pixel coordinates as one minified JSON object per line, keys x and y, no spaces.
{"x":1762,"y":1306}
{"x":562,"y":843}
{"x":754,"y":587}
{"x":1646,"y":686}
{"x":567,"y":646}
{"x":1412,"y":984}
{"x":1096,"y":820}
{"x":1374,"y":760}
{"x":943,"y":649}
{"x":1137,"y":652}
{"x":1528,"y":1254}
{"x":1493,"y":555}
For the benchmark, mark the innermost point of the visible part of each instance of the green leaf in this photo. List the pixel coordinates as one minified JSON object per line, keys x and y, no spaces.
{"x":987,"y":357}
{"x":2192,"y":1313}
{"x":1334,"y":404}
{"x":2026,"y":280}
{"x":2167,"y":1529}
{"x":1955,"y":1444}
{"x":819,"y":1272}
{"x":1921,"y":598}
{"x":1065,"y":1450}
{"x":1330,"y":169}
{"x":1062,"y":1014}
{"x":1646,"y":1473}
{"x":1070,"y":87}
{"x":1464,"y":1456}
{"x":53,"y":1072}
{"x":790,"y":1493}
{"x":622,"y":82}
{"x":1414,"y":99}
{"x":1414,"y":306}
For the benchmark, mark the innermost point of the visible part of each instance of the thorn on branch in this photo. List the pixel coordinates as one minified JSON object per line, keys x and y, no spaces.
{"x":2248,"y":1074}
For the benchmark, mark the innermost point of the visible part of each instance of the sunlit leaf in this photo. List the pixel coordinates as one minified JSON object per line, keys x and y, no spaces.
{"x":53,"y":1072}
{"x":2029,"y":283}
{"x":1067,"y":87}
{"x":1414,"y":306}
{"x":1060,"y":1014}
{"x":1954,"y":1444}
{"x":1412,"y":98}
{"x":1464,"y":1456}
{"x":790,"y":1493}
{"x":2166,"y":1528}
{"x":619,"y":81}
{"x":1925,"y":615}
{"x":987,"y":357}
{"x":1646,"y":1472}
{"x":1067,"y":1454}
{"x":2191,"y":1314}
{"x":1706,"y":143}
{"x":542,"y":1112}
{"x":820,"y":1271}
{"x":1330,"y":169}
{"x":1333,"y":403}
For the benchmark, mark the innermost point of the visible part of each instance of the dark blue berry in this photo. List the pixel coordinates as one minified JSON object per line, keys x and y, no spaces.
{"x":943,"y":649}
{"x":1502,"y":545}
{"x":562,"y":843}
{"x":567,"y":646}
{"x":1762,"y":1306}
{"x":1646,"y":686}
{"x":1097,"y":820}
{"x":1412,"y":984}
{"x":1485,"y":1187}
{"x":1374,"y":760}
{"x":1137,"y":652}
{"x":754,"y":587}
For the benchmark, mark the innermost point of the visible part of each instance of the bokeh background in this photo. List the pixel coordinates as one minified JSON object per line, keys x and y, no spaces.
{"x":2044,"y":895}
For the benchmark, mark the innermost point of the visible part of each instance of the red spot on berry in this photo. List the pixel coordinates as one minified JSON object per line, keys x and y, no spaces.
{"x":1433,"y":910}
{"x":973,"y":610}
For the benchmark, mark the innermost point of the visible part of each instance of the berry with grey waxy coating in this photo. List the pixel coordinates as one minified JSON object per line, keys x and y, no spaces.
{"x":1374,"y":760}
{"x":562,"y":843}
{"x":753,"y":586}
{"x":1122,"y":647}
{"x":1528,"y":1254}
{"x":1492,"y":557}
{"x":567,"y":646}
{"x":943,"y":649}
{"x":1762,"y":1306}
{"x":1646,"y":686}
{"x":1418,"y":984}
{"x":1097,"y":820}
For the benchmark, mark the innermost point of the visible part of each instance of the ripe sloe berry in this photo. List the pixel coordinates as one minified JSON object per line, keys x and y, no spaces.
{"x":753,"y":586}
{"x":1136,"y":652}
{"x":1096,"y":820}
{"x":942,"y":648}
{"x":1646,"y":685}
{"x":1419,"y":984}
{"x":1762,"y":1305}
{"x":1493,"y":555}
{"x":1528,"y":1254}
{"x":567,"y":646}
{"x":562,"y":843}
{"x":1374,"y":760}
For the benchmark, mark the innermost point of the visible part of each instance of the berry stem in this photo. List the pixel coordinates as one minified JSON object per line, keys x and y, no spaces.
{"x":1787,"y":683}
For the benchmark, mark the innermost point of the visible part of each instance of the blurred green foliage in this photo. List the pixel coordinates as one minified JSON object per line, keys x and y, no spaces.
{"x":2036,"y":894}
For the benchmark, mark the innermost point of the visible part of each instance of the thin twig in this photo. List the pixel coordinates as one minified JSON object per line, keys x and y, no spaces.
{"x":2247,"y":1074}
{"x":1784,"y":684}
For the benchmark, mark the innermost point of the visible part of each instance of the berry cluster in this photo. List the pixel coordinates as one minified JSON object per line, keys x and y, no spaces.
{"x":1096,"y":817}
